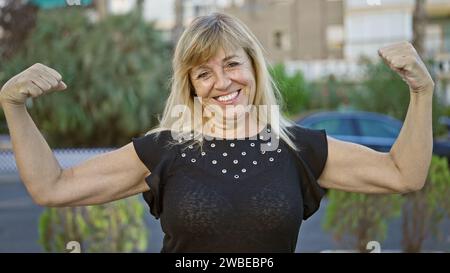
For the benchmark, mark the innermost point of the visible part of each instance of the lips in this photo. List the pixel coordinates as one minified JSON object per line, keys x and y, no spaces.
{"x":228,"y":98}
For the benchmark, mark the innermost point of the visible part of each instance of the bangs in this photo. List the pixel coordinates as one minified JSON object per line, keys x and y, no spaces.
{"x":208,"y":42}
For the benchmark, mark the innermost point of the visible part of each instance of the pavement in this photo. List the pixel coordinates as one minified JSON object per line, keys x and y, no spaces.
{"x":19,"y":218}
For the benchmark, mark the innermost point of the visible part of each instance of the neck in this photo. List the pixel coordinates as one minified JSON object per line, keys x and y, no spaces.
{"x":244,"y":125}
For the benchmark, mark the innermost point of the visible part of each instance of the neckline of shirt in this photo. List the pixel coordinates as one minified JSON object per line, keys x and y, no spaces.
{"x":256,"y":137}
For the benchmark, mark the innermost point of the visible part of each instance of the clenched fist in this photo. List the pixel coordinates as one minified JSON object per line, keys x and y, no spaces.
{"x":35,"y":81}
{"x":403,"y":59}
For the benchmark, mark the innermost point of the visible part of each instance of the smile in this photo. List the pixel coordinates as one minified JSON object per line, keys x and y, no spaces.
{"x":229,"y":98}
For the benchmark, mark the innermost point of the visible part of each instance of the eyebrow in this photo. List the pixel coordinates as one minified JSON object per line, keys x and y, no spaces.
{"x":229,"y":57}
{"x":223,"y":60}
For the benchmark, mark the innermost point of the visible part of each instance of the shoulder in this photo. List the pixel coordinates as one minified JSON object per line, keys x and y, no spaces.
{"x":157,"y":137}
{"x":312,"y":145}
{"x":306,"y":137}
{"x":152,"y":147}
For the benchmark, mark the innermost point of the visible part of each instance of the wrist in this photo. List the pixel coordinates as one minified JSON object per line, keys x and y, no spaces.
{"x":426,"y":91}
{"x":11,"y":105}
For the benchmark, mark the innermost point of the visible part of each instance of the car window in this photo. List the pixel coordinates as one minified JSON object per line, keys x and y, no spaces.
{"x":377,"y":128}
{"x":335,"y":126}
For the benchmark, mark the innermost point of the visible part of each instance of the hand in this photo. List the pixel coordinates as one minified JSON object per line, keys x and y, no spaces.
{"x":35,"y":81}
{"x":403,"y":59}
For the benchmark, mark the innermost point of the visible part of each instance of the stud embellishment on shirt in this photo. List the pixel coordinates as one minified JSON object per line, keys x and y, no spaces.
{"x":255,"y":162}
{"x":243,"y":153}
{"x":193,"y":160}
{"x":232,"y":145}
{"x":244,"y":170}
{"x":203,"y":153}
{"x":236,"y":176}
{"x":213,"y":145}
{"x":235,"y":161}
{"x":271,"y":159}
{"x":224,"y":154}
{"x":224,"y":170}
{"x":214,"y":162}
{"x":190,"y":146}
{"x":278,"y":150}
{"x":252,"y":144}
{"x":183,"y":155}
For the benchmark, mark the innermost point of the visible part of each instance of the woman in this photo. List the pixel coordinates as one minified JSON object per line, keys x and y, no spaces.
{"x":225,"y":178}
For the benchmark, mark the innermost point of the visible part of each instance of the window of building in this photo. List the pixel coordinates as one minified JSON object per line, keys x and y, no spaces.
{"x":281,"y":40}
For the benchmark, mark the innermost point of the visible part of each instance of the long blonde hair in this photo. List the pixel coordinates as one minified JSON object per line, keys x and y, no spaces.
{"x":201,"y":41}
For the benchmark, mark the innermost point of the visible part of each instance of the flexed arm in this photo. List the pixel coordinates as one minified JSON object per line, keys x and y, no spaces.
{"x":104,"y":178}
{"x":413,"y":148}
{"x":37,"y":166}
{"x":355,"y":168}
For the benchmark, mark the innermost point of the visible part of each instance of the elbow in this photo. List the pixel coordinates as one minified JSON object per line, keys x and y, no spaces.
{"x":47,"y":201}
{"x":412,"y":185}
{"x":44,"y":198}
{"x":409,"y":179}
{"x":416,"y":186}
{"x":48,"y":194}
{"x":41,"y":198}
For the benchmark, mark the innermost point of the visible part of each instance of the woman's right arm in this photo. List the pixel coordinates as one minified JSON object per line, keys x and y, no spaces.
{"x":104,"y":178}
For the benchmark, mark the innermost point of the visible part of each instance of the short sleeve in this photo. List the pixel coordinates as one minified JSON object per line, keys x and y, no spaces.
{"x":155,"y":151}
{"x":311,"y":156}
{"x":150,"y":148}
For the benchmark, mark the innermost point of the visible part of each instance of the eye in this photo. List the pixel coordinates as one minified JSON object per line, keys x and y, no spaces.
{"x":233,"y":64}
{"x":203,"y":75}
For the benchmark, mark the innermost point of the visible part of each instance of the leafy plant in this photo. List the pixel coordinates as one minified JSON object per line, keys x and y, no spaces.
{"x":360,"y":218}
{"x":114,"y":227}
{"x":383,"y":91}
{"x":424,"y":210}
{"x":292,"y":88}
{"x":117,"y":72}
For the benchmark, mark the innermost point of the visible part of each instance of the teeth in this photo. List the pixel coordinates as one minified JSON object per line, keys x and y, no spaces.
{"x":228,"y":97}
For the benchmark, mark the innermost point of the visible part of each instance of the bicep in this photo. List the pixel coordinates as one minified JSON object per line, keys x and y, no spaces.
{"x":356,"y":168}
{"x":101,"y":179}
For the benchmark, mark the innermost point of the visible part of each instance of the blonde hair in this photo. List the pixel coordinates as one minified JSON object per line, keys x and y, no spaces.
{"x":205,"y":36}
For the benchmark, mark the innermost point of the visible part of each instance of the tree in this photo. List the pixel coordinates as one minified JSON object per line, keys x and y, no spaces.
{"x":117,"y":71}
{"x":419,"y":26}
{"x":16,"y":22}
{"x":115,"y":227}
{"x":179,"y":20}
{"x":418,"y":213}
{"x":383,"y":91}
{"x":293,"y":90}
{"x":360,"y":218}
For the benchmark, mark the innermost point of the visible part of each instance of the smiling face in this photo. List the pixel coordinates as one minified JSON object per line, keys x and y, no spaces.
{"x":227,"y":79}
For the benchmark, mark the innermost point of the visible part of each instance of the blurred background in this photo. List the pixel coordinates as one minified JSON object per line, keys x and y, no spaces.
{"x":115,"y":57}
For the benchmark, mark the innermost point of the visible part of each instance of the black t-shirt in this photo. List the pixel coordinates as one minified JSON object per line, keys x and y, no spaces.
{"x":230,"y":196}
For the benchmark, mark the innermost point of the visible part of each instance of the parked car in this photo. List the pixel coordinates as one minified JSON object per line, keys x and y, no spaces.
{"x":373,"y":130}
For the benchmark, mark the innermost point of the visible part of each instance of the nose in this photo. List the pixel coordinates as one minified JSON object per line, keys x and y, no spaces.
{"x":222,"y":82}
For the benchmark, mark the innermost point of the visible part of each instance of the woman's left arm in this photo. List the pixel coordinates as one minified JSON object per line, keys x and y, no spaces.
{"x":352,"y":167}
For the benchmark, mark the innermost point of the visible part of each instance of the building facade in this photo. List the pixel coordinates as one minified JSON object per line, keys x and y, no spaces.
{"x":294,"y":29}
